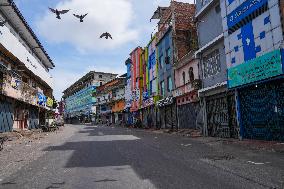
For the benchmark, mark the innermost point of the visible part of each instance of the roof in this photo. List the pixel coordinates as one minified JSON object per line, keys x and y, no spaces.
{"x":85,"y":77}
{"x":158,"y":13}
{"x":16,"y":19}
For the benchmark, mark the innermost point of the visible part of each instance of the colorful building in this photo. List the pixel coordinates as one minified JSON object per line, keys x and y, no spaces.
{"x":137,"y":80}
{"x":187,"y":83}
{"x":174,"y":41}
{"x":79,"y":99}
{"x":111,"y":101}
{"x":253,"y":49}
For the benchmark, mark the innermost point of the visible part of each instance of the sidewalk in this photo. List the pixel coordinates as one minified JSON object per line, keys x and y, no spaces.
{"x":24,"y":147}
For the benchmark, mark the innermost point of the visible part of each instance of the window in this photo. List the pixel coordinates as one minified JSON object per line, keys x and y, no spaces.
{"x":169,"y":84}
{"x":100,"y":76}
{"x":183,"y":78}
{"x":162,"y":88}
{"x":211,"y":64}
{"x":101,"y":83}
{"x":99,"y":100}
{"x":168,"y":55}
{"x":191,"y":74}
{"x":161,"y":61}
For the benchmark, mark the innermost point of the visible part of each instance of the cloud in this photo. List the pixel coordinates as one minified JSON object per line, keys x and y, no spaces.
{"x":114,"y":16}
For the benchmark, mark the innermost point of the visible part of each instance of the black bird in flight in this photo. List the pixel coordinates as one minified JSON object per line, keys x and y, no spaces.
{"x":58,"y":12}
{"x":106,"y":35}
{"x":81,"y":17}
{"x":2,"y":23}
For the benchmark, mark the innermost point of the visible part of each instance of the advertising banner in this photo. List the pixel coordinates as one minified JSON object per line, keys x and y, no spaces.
{"x":263,"y":67}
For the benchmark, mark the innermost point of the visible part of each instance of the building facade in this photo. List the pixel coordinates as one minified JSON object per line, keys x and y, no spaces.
{"x":137,"y":82}
{"x":218,"y":105}
{"x":128,"y":93}
{"x":79,"y":98}
{"x":111,"y":102}
{"x":253,"y":49}
{"x":25,"y":82}
{"x":175,"y":38}
{"x":187,"y":83}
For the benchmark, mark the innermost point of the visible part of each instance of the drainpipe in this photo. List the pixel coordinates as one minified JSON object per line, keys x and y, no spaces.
{"x":177,"y":114}
{"x":238,"y":112}
{"x":205,"y":125}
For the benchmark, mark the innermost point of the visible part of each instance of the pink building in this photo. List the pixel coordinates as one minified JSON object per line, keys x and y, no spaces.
{"x":187,"y":84}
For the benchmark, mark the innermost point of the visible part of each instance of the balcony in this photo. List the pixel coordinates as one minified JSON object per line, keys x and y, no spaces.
{"x":187,"y":88}
{"x":15,"y":88}
{"x":28,"y":94}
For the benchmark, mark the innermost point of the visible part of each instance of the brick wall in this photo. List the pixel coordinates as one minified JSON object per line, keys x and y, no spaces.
{"x":185,"y":36}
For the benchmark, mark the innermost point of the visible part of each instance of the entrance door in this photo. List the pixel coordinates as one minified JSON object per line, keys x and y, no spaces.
{"x":262,"y":111}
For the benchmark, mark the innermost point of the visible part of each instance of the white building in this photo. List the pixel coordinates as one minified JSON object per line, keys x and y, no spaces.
{"x":26,"y":84}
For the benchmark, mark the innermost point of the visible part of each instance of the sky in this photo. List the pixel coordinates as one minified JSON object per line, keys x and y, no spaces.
{"x":75,"y":47}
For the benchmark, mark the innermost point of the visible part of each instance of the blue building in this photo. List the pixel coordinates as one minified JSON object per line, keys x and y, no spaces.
{"x":253,"y":42}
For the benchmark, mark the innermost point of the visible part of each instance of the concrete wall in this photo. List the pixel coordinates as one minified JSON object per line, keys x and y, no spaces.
{"x":14,"y":44}
{"x":209,"y":25}
{"x":220,"y":76}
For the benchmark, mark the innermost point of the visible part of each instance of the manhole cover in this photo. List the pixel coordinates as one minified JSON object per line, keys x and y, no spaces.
{"x":220,"y":157}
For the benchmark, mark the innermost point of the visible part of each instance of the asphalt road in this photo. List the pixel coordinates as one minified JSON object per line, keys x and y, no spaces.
{"x":120,"y":158}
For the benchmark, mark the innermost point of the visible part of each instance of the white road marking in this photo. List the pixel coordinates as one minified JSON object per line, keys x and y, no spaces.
{"x":100,"y":133}
{"x":257,"y":163}
{"x":186,"y":145}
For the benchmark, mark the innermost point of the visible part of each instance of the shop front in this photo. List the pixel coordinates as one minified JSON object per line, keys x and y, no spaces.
{"x":167,"y":113}
{"x":260,"y":87}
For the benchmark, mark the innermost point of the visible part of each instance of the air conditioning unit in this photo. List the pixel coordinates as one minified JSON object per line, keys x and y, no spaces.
{"x":167,"y":60}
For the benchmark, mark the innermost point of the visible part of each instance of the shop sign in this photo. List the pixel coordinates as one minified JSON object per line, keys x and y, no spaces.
{"x":263,"y":67}
{"x":244,"y":10}
{"x":49,"y":102}
{"x":41,"y":99}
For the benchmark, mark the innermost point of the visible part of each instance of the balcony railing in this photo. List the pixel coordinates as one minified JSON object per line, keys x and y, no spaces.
{"x":184,"y":89}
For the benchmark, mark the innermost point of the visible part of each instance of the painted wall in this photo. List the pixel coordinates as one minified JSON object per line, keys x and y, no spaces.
{"x":179,"y":73}
{"x":209,"y":25}
{"x":81,"y":101}
{"x":201,"y":4}
{"x":118,"y":106}
{"x":152,"y":68}
{"x":136,"y":75}
{"x":221,"y":75}
{"x":14,"y":44}
{"x":165,"y":70}
{"x":252,"y":37}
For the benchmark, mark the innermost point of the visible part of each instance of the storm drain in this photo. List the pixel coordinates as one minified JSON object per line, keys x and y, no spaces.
{"x":219,"y":157}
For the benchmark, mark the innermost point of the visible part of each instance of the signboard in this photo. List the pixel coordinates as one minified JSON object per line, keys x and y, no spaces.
{"x":263,"y":67}
{"x":244,"y":10}
{"x":49,"y":102}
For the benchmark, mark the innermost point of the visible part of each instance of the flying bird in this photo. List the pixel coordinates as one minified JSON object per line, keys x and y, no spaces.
{"x":81,"y":17}
{"x":58,"y":12}
{"x":2,"y":23}
{"x":106,"y":35}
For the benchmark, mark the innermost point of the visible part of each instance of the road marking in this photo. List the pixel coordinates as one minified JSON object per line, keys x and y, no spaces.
{"x":100,"y":133}
{"x":186,"y":145}
{"x":257,"y":163}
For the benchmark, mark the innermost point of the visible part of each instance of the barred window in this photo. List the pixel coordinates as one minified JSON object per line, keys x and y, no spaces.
{"x":211,"y":64}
